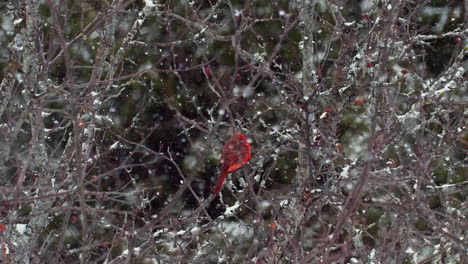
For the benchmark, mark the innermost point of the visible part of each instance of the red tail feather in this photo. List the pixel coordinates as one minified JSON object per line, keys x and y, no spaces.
{"x":219,"y":184}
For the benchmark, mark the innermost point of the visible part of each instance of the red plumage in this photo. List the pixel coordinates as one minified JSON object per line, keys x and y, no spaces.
{"x":236,"y":152}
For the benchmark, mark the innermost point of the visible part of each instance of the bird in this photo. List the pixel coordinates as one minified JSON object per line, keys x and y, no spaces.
{"x":236,"y":152}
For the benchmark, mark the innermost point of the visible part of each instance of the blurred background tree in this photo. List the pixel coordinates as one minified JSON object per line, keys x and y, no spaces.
{"x":113,"y":115}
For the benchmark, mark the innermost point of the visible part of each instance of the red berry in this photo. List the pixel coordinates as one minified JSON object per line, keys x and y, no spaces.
{"x":404,"y":71}
{"x":81,"y":123}
{"x":73,"y":219}
{"x":339,"y":147}
{"x":370,"y":64}
{"x":273,"y":225}
{"x":327,"y":108}
{"x":358,"y":101}
{"x":6,"y":204}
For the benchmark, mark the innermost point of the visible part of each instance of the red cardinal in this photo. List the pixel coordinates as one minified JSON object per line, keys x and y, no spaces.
{"x":236,"y":152}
